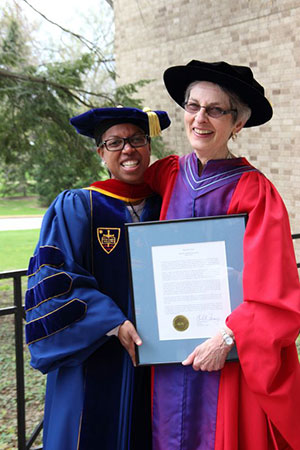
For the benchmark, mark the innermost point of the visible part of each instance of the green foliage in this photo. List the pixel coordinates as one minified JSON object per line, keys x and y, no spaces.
{"x":69,"y":73}
{"x":36,"y":140}
{"x":40,"y":153}
{"x":158,"y":148}
{"x":12,"y":46}
{"x":124,"y":95}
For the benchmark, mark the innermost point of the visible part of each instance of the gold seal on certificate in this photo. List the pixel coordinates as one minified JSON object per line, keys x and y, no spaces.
{"x":180,"y":323}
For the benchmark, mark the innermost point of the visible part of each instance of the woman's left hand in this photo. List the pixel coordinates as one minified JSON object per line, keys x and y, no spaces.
{"x":209,"y":356}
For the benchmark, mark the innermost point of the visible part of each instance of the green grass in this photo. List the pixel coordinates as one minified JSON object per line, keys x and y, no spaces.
{"x":16,"y":206}
{"x":16,"y":247}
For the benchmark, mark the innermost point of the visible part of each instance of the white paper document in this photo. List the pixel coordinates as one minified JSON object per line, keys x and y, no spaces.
{"x":191,"y":288}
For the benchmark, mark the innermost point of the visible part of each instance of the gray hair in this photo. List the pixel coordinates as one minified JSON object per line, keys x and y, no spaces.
{"x":243,"y":110}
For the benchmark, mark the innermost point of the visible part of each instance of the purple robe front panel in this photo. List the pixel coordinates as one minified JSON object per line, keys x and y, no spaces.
{"x":185,"y":401}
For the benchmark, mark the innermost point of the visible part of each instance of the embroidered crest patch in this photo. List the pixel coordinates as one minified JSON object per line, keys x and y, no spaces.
{"x":108,"y":238}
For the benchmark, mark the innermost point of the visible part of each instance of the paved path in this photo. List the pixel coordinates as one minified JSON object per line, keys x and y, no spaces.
{"x":20,"y":223}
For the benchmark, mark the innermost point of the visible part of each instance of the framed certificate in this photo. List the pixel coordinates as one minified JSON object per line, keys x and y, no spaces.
{"x":186,"y":278}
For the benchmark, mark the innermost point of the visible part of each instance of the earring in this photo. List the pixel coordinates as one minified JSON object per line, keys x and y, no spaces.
{"x":234,"y":136}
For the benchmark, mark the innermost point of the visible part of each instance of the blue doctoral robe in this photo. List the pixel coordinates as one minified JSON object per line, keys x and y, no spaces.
{"x":78,"y":290}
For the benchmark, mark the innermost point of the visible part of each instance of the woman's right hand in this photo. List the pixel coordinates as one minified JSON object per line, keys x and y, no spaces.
{"x":210,"y":355}
{"x":128,"y":337}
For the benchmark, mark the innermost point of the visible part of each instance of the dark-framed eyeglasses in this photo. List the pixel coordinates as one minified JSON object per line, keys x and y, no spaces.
{"x":211,"y":111}
{"x":117,"y":144}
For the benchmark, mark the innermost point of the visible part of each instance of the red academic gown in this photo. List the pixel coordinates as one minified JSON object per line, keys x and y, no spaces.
{"x":258,"y":402}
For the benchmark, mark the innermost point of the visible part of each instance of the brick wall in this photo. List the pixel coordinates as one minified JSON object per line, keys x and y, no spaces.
{"x":153,"y":35}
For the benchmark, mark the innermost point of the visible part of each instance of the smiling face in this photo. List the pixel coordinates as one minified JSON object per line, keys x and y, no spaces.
{"x":129,"y":164}
{"x":209,"y":136}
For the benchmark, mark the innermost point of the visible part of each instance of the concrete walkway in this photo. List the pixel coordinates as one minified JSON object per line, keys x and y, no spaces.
{"x":20,"y":223}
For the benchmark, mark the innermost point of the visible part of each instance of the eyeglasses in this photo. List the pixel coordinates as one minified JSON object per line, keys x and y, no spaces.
{"x":117,"y":144}
{"x":211,"y":111}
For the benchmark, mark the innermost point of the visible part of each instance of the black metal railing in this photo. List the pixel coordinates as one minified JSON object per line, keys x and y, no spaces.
{"x":18,"y":311}
{"x":295,"y":237}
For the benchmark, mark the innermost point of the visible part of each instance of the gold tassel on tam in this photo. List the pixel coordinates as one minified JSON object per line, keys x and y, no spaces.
{"x":154,"y":124}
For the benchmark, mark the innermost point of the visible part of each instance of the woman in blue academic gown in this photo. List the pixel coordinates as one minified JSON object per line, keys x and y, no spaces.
{"x":78,"y":306}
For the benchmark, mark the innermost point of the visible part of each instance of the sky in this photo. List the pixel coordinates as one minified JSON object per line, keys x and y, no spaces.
{"x":79,"y":16}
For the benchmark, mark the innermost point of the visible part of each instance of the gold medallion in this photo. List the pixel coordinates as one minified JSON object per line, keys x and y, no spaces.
{"x":180,"y":323}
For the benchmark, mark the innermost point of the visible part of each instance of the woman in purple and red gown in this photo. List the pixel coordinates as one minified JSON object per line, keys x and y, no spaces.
{"x":205,"y":403}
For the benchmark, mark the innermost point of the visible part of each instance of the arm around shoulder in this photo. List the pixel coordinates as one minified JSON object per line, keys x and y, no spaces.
{"x":161,"y":173}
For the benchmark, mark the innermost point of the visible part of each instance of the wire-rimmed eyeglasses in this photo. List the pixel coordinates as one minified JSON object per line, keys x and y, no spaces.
{"x":117,"y":144}
{"x":211,"y":111}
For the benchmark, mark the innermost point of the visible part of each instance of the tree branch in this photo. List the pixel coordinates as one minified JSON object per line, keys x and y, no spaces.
{"x":4,"y":74}
{"x":111,"y":3}
{"x":89,"y":44}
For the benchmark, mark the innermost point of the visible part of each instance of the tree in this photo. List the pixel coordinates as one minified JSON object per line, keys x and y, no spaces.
{"x":39,"y":151}
{"x":37,"y":142}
